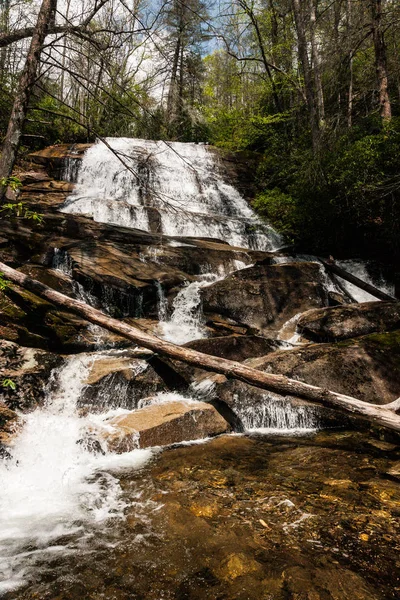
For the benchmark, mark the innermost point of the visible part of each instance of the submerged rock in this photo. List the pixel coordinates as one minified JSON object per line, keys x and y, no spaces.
{"x":164,"y":424}
{"x":343,"y":322}
{"x":264,"y":297}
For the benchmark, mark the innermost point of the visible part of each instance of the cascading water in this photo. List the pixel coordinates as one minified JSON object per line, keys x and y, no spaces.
{"x":185,"y":323}
{"x":53,"y":488}
{"x":181,"y":181}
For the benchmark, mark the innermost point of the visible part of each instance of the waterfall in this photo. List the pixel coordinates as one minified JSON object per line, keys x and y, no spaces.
{"x":54,"y":487}
{"x":360,"y":269}
{"x":181,"y":182}
{"x":185,"y":323}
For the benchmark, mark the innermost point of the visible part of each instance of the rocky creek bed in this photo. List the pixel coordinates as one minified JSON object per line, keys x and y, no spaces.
{"x":313,"y":518}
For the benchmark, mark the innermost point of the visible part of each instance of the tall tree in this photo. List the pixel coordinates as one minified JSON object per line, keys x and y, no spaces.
{"x":380,"y":60}
{"x":24,"y":90}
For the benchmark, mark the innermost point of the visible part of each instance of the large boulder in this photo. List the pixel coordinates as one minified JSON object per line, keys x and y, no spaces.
{"x":363,"y":367}
{"x":119,"y":381}
{"x":264,"y":297}
{"x":235,"y":347}
{"x":353,"y":320}
{"x":164,"y":424}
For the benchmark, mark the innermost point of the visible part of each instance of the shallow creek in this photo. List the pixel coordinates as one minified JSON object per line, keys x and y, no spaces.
{"x":242,"y":517}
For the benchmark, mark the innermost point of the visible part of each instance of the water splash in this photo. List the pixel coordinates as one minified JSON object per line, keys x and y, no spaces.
{"x":54,"y":488}
{"x":186,"y":321}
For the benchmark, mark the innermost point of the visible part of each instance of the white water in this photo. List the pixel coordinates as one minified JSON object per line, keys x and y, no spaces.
{"x":186,"y":321}
{"x":359,"y":269}
{"x":272,"y":415}
{"x":53,"y":486}
{"x":182,"y":181}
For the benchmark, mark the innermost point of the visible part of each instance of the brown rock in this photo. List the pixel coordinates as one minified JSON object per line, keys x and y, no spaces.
{"x":165,"y":424}
{"x":264,"y":297}
{"x":235,"y":347}
{"x":363,"y":368}
{"x":29,"y":369}
{"x":349,"y":321}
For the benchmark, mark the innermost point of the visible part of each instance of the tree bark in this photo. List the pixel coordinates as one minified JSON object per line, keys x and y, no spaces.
{"x":298,"y":13}
{"x":316,"y":63}
{"x":24,"y":90}
{"x":380,"y":60}
{"x":378,"y":415}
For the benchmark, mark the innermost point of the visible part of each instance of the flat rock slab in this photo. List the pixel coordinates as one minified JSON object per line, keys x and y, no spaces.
{"x":353,"y":320}
{"x":164,"y":424}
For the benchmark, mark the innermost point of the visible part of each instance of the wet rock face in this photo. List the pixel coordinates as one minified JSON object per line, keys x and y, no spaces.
{"x":354,"y":320}
{"x":30,"y":321}
{"x":29,"y":369}
{"x":363,"y":368}
{"x":264,"y":297}
{"x":164,"y":424}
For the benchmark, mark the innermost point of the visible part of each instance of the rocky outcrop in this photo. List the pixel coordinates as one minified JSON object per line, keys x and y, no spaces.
{"x":30,"y":321}
{"x":164,"y":424}
{"x":264,"y":297}
{"x":363,"y":368}
{"x":120,"y":381}
{"x":29,"y":370}
{"x":353,"y":320}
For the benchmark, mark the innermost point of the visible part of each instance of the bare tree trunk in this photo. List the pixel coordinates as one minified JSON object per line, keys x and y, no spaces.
{"x":351,"y":62}
{"x":298,"y":14}
{"x":384,"y":416}
{"x":172,"y":92}
{"x":367,"y":287}
{"x":4,"y":24}
{"x":250,"y":12}
{"x":23,"y":94}
{"x":380,"y":60}
{"x":316,"y":63}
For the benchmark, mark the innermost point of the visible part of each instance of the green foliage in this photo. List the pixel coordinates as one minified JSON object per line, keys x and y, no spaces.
{"x":280,"y":209}
{"x":3,"y":282}
{"x":18,"y":209}
{"x":8,"y":384}
{"x":12,"y":182}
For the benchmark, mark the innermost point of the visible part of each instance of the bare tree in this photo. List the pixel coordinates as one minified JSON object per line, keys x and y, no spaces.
{"x":26,"y":83}
{"x":380,"y":60}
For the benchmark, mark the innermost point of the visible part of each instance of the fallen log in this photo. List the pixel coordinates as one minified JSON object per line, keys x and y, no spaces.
{"x":367,"y":287}
{"x":378,"y":415}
